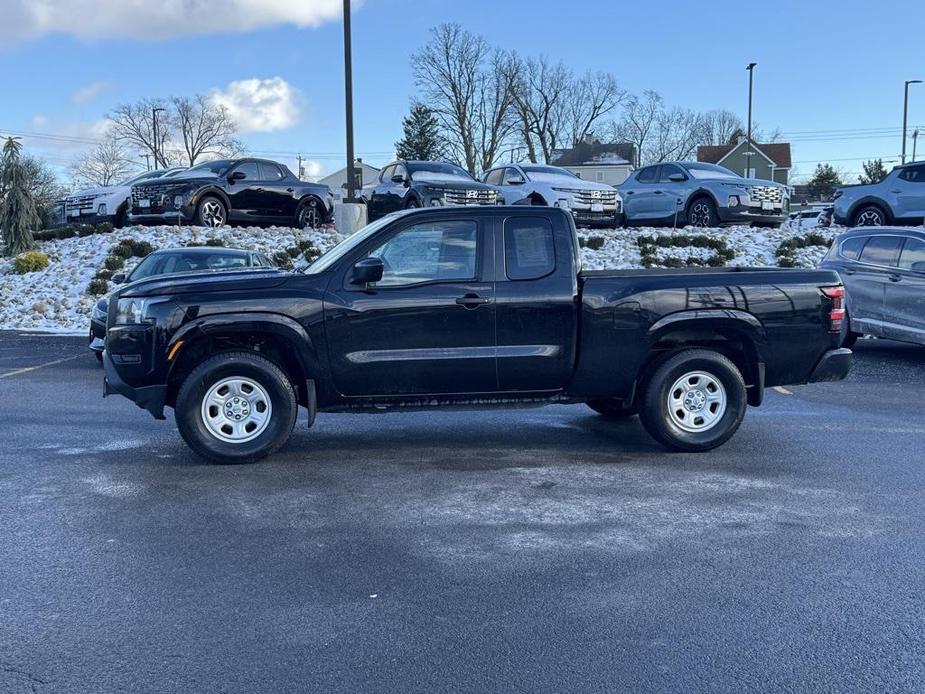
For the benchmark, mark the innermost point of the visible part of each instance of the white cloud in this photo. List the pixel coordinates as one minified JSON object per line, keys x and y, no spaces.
{"x":258,"y":105}
{"x":142,"y":19}
{"x":89,"y":92}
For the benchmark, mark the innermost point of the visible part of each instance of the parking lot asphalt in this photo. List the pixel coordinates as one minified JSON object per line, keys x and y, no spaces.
{"x":495,"y":551}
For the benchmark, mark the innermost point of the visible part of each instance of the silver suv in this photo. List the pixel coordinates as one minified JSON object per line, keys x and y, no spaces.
{"x":897,"y":199}
{"x":589,"y":202}
{"x":700,"y":194}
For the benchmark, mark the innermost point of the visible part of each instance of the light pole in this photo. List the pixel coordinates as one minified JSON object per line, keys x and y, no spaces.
{"x":749,"y":154}
{"x":902,"y":158}
{"x":915,"y":139}
{"x":352,"y":214}
{"x":154,"y":112}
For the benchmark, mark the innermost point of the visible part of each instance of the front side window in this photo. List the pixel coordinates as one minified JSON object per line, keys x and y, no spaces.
{"x":529,"y":248}
{"x":668,"y":170}
{"x":493,"y":177}
{"x":250,"y":171}
{"x":881,"y":250}
{"x":430,"y":252}
{"x":913,"y":255}
{"x":386,"y":175}
{"x":511,"y":176}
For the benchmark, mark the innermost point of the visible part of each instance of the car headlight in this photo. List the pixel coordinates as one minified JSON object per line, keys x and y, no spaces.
{"x":102,"y":210}
{"x":133,"y":311}
{"x":100,"y":309}
{"x":739,"y":186}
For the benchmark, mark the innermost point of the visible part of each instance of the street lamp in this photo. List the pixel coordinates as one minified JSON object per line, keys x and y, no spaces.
{"x":352,"y":215}
{"x":906,"y":114}
{"x":154,"y":112}
{"x":751,"y":73}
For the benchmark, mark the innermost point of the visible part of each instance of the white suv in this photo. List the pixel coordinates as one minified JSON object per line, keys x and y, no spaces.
{"x":107,"y":203}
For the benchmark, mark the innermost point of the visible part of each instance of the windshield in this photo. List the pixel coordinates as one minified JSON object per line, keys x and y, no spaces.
{"x":549,"y":174}
{"x":347,"y":245}
{"x":193,"y":261}
{"x":210,"y":168}
{"x":142,"y":177}
{"x":435,"y":171}
{"x":700,"y":170}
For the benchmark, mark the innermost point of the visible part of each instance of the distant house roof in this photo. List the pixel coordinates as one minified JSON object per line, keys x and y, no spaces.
{"x":777,"y":152}
{"x":596,"y":154}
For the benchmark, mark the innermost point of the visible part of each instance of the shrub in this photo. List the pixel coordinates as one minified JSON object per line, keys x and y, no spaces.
{"x":104,"y":228}
{"x":309,"y":251}
{"x":787,"y":250}
{"x":217,"y":243}
{"x":141,"y":249}
{"x":104,"y":274}
{"x":121,"y":250}
{"x":294,"y":251}
{"x":649,"y":244}
{"x":30,"y":261}
{"x":86,"y":230}
{"x":66,"y":232}
{"x":282,"y":259}
{"x":595,"y":243}
{"x":113,"y":262}
{"x":98,"y":287}
{"x":582,"y":242}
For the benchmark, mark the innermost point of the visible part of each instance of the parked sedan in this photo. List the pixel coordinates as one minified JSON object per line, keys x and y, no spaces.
{"x":244,"y":191}
{"x":589,"y":202}
{"x":702,"y":195}
{"x":405,"y":185}
{"x":897,"y":199}
{"x":170,"y":262}
{"x":883,"y":269}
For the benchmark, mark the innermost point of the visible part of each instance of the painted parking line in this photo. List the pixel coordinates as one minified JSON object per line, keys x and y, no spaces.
{"x":17,"y":372}
{"x":782,"y":390}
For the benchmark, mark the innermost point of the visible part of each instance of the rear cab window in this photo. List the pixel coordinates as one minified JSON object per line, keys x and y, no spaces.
{"x":647,"y":175}
{"x":913,"y":255}
{"x":850,"y":249}
{"x":529,"y":248}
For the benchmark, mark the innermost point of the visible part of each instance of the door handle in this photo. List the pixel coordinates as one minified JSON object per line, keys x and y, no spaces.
{"x":629,"y":192}
{"x":290,"y":190}
{"x":896,"y":278}
{"x":259,"y":190}
{"x":472,"y":300}
{"x":896,"y":190}
{"x":850,"y":272}
{"x":659,"y":192}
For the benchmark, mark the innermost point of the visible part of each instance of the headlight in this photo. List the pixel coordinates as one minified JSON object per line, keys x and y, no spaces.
{"x":133,"y":311}
{"x":740,"y":186}
{"x":102,"y":210}
{"x":99,"y":310}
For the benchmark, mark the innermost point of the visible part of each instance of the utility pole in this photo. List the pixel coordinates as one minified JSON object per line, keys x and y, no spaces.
{"x":300,"y":168}
{"x":351,"y":216}
{"x":749,"y":154}
{"x":915,"y":139}
{"x":147,"y":158}
{"x":154,"y":112}
{"x":902,"y":158}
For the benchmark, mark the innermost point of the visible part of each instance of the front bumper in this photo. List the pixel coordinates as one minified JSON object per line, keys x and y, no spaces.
{"x":833,"y":366}
{"x":184,"y":214}
{"x":92,"y":218}
{"x":605,"y":218}
{"x":150,"y":398}
{"x":747,"y":215}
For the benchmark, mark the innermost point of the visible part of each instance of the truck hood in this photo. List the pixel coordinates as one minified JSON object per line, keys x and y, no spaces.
{"x":225,"y":281}
{"x":101,"y":191}
{"x":451,"y":183}
{"x":570,"y":183}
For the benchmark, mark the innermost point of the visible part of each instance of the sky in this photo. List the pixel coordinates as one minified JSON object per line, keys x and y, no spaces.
{"x":829,"y":76}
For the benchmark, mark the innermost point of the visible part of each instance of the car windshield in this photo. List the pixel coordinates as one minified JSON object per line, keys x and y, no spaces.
{"x":147,"y":175}
{"x":701,"y":170}
{"x":189,"y":261}
{"x":549,"y":174}
{"x":347,"y":245}
{"x":433,"y":171}
{"x":210,"y":168}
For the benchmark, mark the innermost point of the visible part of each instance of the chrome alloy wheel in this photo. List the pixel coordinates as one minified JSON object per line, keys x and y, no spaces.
{"x":870,"y":218}
{"x":213,"y":213}
{"x":309,"y":217}
{"x":696,"y":402}
{"x":236,"y":410}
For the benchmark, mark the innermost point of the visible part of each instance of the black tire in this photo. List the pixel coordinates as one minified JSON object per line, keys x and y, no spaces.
{"x":121,"y":219}
{"x":851,"y":339}
{"x":308,"y":215}
{"x":189,"y":417}
{"x":661,"y":424}
{"x":412,"y":203}
{"x":869,"y":216}
{"x":611,"y":408}
{"x":208,"y":211}
{"x":702,"y":213}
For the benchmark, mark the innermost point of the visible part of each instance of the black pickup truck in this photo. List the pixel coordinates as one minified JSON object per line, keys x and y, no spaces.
{"x":467,"y":306}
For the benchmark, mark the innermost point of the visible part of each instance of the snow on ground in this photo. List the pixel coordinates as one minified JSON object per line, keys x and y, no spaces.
{"x":56,"y":299}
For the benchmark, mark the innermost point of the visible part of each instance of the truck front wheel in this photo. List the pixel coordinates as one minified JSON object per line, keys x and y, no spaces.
{"x":236,"y":407}
{"x":694,"y":401}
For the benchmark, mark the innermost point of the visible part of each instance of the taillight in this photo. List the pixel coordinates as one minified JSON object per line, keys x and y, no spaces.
{"x":837,"y":310}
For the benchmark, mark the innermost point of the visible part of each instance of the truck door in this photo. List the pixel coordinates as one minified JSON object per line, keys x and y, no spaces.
{"x":909,"y":189}
{"x":537,"y":302}
{"x":867,"y":280}
{"x":904,"y":305}
{"x":428,"y":327}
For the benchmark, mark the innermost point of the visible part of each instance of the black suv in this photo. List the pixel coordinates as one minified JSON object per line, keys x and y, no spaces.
{"x":248,"y":191}
{"x":407,"y":184}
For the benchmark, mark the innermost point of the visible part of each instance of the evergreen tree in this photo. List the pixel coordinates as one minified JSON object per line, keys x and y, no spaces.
{"x":422,"y":138}
{"x":18,"y":213}
{"x":874,"y":172}
{"x":824,"y":182}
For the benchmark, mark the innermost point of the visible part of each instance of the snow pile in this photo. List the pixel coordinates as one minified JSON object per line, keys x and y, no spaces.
{"x":56,"y":299}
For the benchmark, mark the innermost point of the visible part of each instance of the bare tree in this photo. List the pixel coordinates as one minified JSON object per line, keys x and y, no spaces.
{"x":541,"y":92}
{"x":638,"y":121}
{"x":469,"y":87}
{"x":104,"y":165}
{"x":204,"y":128}
{"x":135,"y":124}
{"x":592,"y":97}
{"x":719,"y":127}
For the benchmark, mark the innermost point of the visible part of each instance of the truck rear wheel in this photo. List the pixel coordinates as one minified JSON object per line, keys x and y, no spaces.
{"x":236,"y":407}
{"x":694,"y":401}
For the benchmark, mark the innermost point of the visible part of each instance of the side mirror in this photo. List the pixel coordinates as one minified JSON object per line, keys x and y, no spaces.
{"x":237,"y":176}
{"x":398,"y":178}
{"x":515,"y":181}
{"x":677,"y":178}
{"x":118,"y":278}
{"x":368,"y":270}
